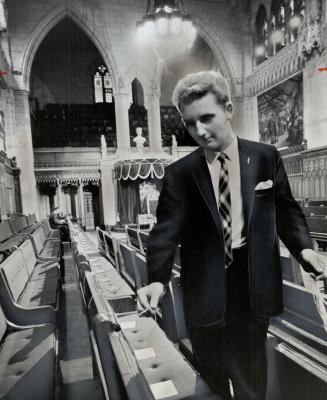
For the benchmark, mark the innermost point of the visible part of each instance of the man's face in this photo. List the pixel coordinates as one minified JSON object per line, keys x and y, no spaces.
{"x":208,"y":122}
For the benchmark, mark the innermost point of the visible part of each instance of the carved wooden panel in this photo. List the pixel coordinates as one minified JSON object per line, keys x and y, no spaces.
{"x":307,"y":173}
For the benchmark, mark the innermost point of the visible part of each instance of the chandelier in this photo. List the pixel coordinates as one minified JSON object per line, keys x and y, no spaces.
{"x":166,"y":21}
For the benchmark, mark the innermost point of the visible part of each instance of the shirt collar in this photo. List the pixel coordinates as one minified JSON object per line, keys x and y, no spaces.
{"x":230,"y":151}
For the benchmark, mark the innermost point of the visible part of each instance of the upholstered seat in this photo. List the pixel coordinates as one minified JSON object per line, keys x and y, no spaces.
{"x":127,"y":268}
{"x":145,"y":359}
{"x":114,"y":289}
{"x":167,"y":363}
{"x":45,"y":270}
{"x":27,"y":362}
{"x":28,"y":283}
{"x":49,"y":232}
{"x":51,"y":248}
{"x":9,"y":241}
{"x":40,"y":293}
{"x":12,"y":242}
{"x":45,"y":247}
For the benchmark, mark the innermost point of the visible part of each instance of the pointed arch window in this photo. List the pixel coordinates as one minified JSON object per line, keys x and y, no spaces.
{"x":102,"y":85}
{"x":282,"y":24}
{"x":261,"y":36}
{"x":296,"y":16}
{"x":278,"y":25}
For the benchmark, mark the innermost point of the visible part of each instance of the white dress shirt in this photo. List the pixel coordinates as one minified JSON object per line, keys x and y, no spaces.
{"x":233,"y":165}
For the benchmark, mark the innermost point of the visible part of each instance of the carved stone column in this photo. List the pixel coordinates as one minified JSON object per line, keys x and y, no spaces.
{"x":40,"y":203}
{"x":81,"y":203}
{"x":122,"y":103}
{"x":152,"y":104}
{"x":19,"y":145}
{"x":61,"y":200}
{"x":44,"y":203}
{"x":108,"y":192}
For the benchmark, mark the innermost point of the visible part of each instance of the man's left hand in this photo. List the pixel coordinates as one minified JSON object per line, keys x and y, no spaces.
{"x":317,"y":262}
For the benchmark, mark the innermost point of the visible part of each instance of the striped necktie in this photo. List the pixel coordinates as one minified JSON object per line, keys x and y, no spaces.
{"x":225,"y":209}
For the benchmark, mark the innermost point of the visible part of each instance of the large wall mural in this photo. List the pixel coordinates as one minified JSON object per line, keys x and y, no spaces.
{"x":280,"y":112}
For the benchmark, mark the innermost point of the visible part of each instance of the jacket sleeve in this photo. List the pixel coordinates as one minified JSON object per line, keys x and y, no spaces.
{"x":165,"y":236}
{"x":291,"y":224}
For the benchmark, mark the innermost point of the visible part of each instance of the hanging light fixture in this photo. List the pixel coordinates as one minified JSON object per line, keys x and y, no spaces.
{"x":166,"y":20}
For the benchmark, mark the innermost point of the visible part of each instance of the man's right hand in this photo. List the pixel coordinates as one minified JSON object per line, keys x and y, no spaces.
{"x":148,"y":297}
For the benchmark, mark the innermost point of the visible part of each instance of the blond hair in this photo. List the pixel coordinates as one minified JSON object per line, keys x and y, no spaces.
{"x":196,"y":85}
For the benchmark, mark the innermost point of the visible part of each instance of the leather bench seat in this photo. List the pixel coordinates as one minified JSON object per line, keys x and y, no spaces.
{"x":99,"y":264}
{"x":27,"y":283}
{"x":141,"y":272}
{"x":27,"y":362}
{"x":111,"y":248}
{"x":89,"y":263}
{"x":45,"y":270}
{"x":19,"y":225}
{"x":81,"y":243}
{"x":144,"y":237}
{"x":133,"y":266}
{"x":85,"y":247}
{"x":12,"y":242}
{"x":32,"y":221}
{"x":134,"y":239}
{"x":126,"y":256}
{"x":113,"y":288}
{"x":101,"y":242}
{"x":45,"y":247}
{"x":36,"y":269}
{"x":9,"y":241}
{"x":317,"y":224}
{"x":166,"y":366}
{"x":40,"y":293}
{"x":315,"y":211}
{"x":49,"y":232}
{"x":117,"y":346}
{"x":30,"y":229}
{"x":51,"y":248}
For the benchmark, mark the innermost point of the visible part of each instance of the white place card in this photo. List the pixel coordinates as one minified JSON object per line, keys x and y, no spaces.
{"x":162,"y":390}
{"x":144,"y":354}
{"x":127,"y":325}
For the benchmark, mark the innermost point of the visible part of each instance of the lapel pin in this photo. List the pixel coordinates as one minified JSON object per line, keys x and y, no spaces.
{"x":249,"y":160}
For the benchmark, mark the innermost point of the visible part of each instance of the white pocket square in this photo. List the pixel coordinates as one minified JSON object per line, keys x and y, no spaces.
{"x":264,"y":185}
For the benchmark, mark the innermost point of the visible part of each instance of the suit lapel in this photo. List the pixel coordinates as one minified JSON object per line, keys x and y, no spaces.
{"x":203,"y":181}
{"x":247,"y":168}
{"x":202,"y":178}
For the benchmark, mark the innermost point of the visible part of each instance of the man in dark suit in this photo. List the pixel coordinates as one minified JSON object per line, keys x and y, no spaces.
{"x":226,"y":203}
{"x":58,"y":221}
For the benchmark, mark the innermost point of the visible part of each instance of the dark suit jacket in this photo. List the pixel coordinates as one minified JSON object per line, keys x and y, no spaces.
{"x":187,"y":214}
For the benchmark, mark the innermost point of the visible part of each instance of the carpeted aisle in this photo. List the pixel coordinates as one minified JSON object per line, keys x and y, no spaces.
{"x":74,"y":345}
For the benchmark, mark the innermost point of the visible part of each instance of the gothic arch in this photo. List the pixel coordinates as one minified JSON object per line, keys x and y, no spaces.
{"x":135,"y":72}
{"x":255,"y":6}
{"x":49,"y":21}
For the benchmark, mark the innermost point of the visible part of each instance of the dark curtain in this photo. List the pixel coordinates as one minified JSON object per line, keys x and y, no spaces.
{"x":128,"y":201}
